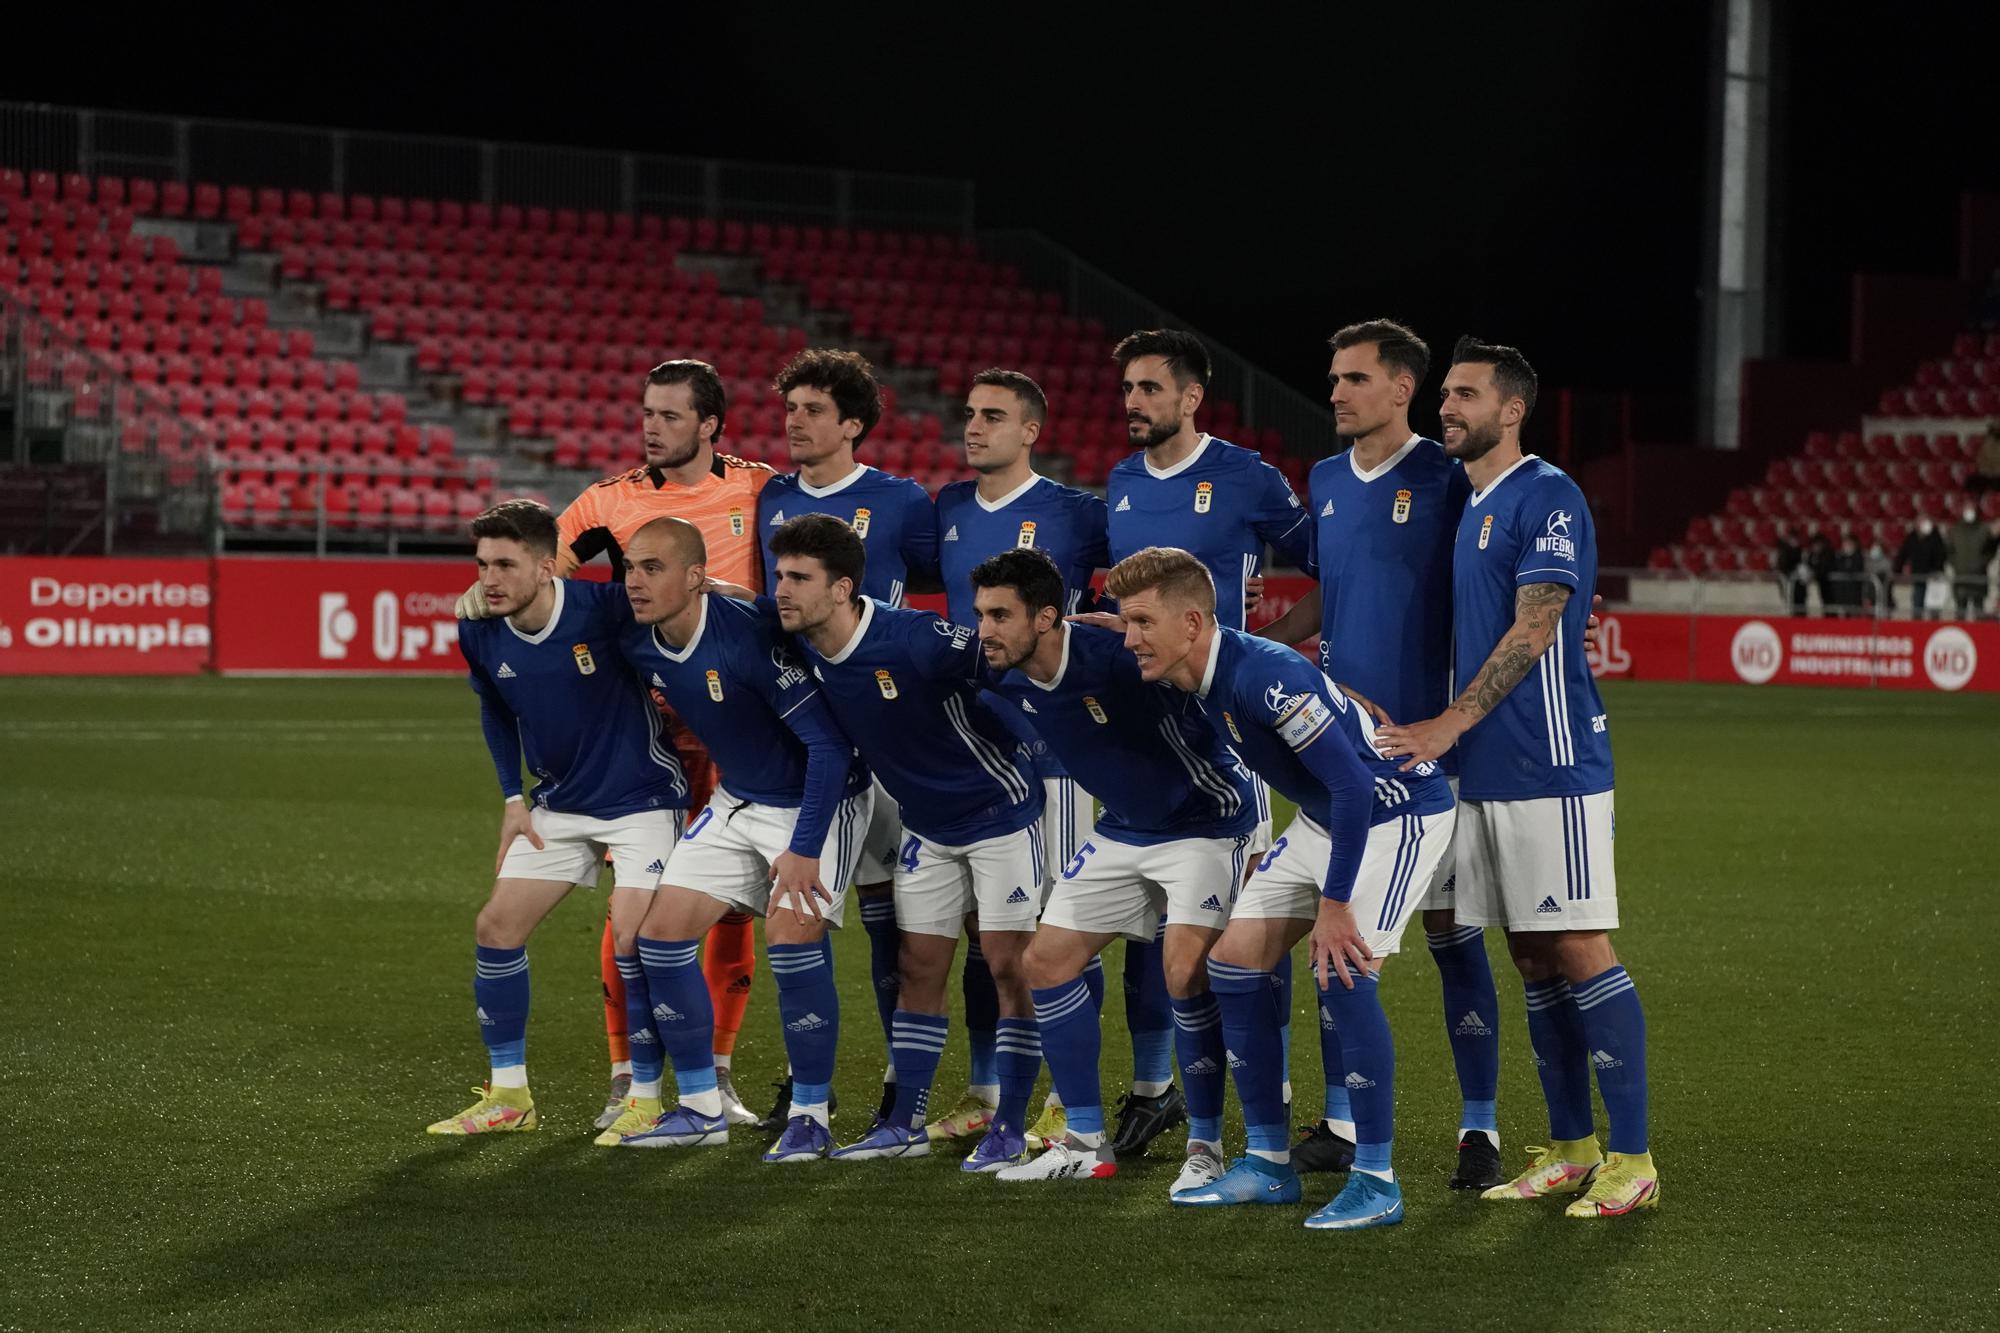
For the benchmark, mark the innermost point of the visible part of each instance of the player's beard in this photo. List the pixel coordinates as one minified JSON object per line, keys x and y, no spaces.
{"x":1156,"y":434}
{"x":674,"y":458}
{"x":1477,"y":442}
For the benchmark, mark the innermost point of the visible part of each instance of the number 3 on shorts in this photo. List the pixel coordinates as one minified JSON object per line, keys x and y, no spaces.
{"x":1076,"y":862}
{"x":908,"y":859}
{"x":1276,"y":849}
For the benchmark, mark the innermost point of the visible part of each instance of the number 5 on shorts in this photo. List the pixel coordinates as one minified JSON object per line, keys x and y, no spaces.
{"x":1076,"y":862}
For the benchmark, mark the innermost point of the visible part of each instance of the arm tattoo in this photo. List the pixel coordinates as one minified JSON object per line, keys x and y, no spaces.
{"x":1538,"y":609}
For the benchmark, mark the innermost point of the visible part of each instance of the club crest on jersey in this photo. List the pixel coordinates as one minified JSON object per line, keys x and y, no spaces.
{"x":1026,"y":541}
{"x":1485,"y":532}
{"x":1095,"y":709}
{"x":715,"y":686}
{"x":1401,"y":513}
{"x":1204,"y":496}
{"x":584,"y":661}
{"x":736,"y":522}
{"x":860,"y":523}
{"x":885,"y":683}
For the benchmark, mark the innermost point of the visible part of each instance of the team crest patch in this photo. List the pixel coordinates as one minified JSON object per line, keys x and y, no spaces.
{"x":1402,"y":511}
{"x":1026,"y":541}
{"x":860,"y":523}
{"x":1095,"y":709}
{"x":1204,"y":496}
{"x":584,"y":661}
{"x":715,"y":686}
{"x":885,"y":683}
{"x":1230,"y":722}
{"x":1486,"y":532}
{"x":736,"y":522}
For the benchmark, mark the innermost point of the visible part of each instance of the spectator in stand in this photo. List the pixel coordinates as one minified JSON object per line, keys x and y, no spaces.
{"x":1992,"y":549}
{"x":1848,"y":576}
{"x":1881,"y":572}
{"x":1965,"y":552}
{"x":1986,"y":468}
{"x":1786,"y":559}
{"x":1921,"y":559}
{"x":1819,"y":572}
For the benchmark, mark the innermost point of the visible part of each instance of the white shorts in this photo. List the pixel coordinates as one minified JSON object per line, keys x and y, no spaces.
{"x":1399,"y":860}
{"x":1538,"y":865}
{"x":1264,"y":835}
{"x":882,"y":841}
{"x":728,"y":850}
{"x":1116,"y":888}
{"x":1000,"y":878}
{"x":1068,"y":814}
{"x":1441,"y":895}
{"x":573,"y":848}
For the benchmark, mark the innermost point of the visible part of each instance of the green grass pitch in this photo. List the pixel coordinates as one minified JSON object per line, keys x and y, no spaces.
{"x":235,"y":948}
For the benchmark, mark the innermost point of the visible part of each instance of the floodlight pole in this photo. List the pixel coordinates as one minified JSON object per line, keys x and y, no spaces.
{"x":1736,"y":291}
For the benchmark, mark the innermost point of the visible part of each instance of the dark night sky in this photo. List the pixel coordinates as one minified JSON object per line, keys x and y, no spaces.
{"x":1532,"y":173}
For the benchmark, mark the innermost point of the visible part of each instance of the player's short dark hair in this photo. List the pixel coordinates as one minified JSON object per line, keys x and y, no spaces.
{"x":826,"y":539}
{"x":529,"y":522}
{"x":1030,"y":573}
{"x":1034,"y":403}
{"x":1396,"y":344}
{"x":1512,"y":374}
{"x":704,"y":387}
{"x":846,"y":377}
{"x":1186,"y":358}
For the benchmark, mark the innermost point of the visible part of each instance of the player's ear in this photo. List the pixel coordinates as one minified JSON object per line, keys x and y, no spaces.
{"x":1193,"y":395}
{"x":1030,"y":432}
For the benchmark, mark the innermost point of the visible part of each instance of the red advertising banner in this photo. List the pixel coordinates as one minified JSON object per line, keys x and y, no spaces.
{"x":99,"y":617}
{"x":1780,"y":650}
{"x":285,"y":614}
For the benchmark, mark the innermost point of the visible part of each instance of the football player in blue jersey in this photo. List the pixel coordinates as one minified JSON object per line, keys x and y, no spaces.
{"x":1187,"y":489}
{"x":904,"y":686}
{"x":1535,"y":770}
{"x":1384,"y":516}
{"x":779,"y":839}
{"x":1012,"y":507}
{"x":553,"y":690}
{"x":1347,"y":871}
{"x":1178,"y":812}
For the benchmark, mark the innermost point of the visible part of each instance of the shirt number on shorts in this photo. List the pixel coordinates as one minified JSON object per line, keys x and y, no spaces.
{"x":700,"y":822}
{"x":1076,"y":862}
{"x":908,"y":860}
{"x":1272,"y":855}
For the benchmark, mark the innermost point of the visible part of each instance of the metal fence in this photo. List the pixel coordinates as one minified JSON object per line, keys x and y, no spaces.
{"x":1880,"y":594}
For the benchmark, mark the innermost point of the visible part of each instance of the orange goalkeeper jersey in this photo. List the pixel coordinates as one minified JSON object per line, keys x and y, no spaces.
{"x":723,"y":505}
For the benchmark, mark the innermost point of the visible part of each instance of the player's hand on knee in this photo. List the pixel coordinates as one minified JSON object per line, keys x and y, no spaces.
{"x":516,"y":821}
{"x":471,"y":603}
{"x":1338,"y":949}
{"x":796,"y":879}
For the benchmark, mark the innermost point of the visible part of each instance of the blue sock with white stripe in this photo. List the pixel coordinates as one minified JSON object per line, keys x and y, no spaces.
{"x":885,"y":945}
{"x":1472,"y":1023}
{"x":1614,"y":1025}
{"x":500,"y":992}
{"x":810,"y":1010}
{"x":1198,"y":1032}
{"x":916,"y":1044}
{"x":1248,"y":999}
{"x":1093,"y":978}
{"x":1282,"y":978}
{"x":1019,"y":1044}
{"x":1339,"y":1110}
{"x":1150,"y":1017}
{"x":982,"y":1020}
{"x":684,"y":1018}
{"x":1562,"y":1057}
{"x":1072,"y":1039}
{"x":648,"y":1060}
{"x":1369,"y":1053}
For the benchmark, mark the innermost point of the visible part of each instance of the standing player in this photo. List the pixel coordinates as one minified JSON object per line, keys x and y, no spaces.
{"x":1012,"y":507}
{"x":1178,"y":813}
{"x":1225,"y":504}
{"x":1535,"y":772}
{"x":832,"y":402}
{"x":682,"y":410}
{"x":552,"y":687}
{"x":1345,"y":871}
{"x":902,"y":684}
{"x":780,"y":839}
{"x":1384,"y":515}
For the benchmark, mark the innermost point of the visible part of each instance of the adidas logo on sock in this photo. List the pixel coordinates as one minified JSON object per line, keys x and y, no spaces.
{"x":740,"y":986}
{"x":1606,"y":1060}
{"x":484,"y":1021}
{"x":1202,"y":1066}
{"x":1548,"y":906}
{"x":1235,"y":1061}
{"x":1124,"y":504}
{"x":658,"y":867}
{"x":505,"y":672}
{"x":1472,"y":1025}
{"x":952,"y":535}
{"x":1357,"y":1082}
{"x":890,"y":982}
{"x":1019,"y":895}
{"x":1213,"y":904}
{"x":643,"y":1037}
{"x":1326,"y":1023}
{"x":1327,"y":511}
{"x":810,"y":1023}
{"x":666,"y":1013}
{"x":777,"y":519}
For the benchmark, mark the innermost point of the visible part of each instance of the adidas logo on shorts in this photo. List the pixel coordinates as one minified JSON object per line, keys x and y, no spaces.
{"x":666,"y":1013}
{"x":1472,"y":1025}
{"x":1213,"y":904}
{"x":658,"y":867}
{"x":1606,"y":1060}
{"x":1357,"y":1082}
{"x":1019,"y":895}
{"x":1548,"y":906}
{"x":810,"y":1023}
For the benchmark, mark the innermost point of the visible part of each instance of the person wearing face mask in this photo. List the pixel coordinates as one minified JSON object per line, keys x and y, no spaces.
{"x":1965,"y":548}
{"x":1881,"y":570}
{"x":1921,"y":558}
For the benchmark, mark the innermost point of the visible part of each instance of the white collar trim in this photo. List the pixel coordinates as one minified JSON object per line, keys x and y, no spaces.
{"x":1479,"y":497}
{"x":1062,"y":667}
{"x":994,"y":506}
{"x":1214,"y":656}
{"x":1200,"y":448}
{"x":542,"y":635}
{"x":821,"y":492}
{"x":860,"y":632}
{"x":666,"y":649}
{"x":1388,"y":464}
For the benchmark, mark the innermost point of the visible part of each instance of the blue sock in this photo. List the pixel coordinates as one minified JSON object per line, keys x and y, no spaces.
{"x":1562,"y":1058}
{"x":648,"y":1060}
{"x":1282,"y":979}
{"x":1614,"y":1026}
{"x":682,"y":1013}
{"x":885,"y":942}
{"x":982,"y":1016}
{"x":1072,"y":1040}
{"x":1248,"y":999}
{"x":810,"y":1010}
{"x":1020,"y":1049}
{"x":1471,"y":1021}
{"x":1148,"y":1014}
{"x":1338,"y":1107}
{"x":500,"y":990}
{"x":1198,"y":1030}
{"x":1093,"y":978}
{"x":1369,"y":1053}
{"x":915,"y":1047}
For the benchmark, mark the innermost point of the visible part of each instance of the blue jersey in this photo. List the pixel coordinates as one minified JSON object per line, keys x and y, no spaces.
{"x":1314,"y":746}
{"x":1221,"y":502}
{"x":905,"y":688}
{"x":1149,"y":752}
{"x":1548,"y":736}
{"x":565,"y":699}
{"x":1382,"y":544}
{"x":892,"y":516}
{"x":742,"y":689}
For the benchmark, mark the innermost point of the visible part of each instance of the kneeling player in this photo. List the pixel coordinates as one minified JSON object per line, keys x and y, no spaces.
{"x":793,"y":800}
{"x":1353,"y":888}
{"x":551,"y":684}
